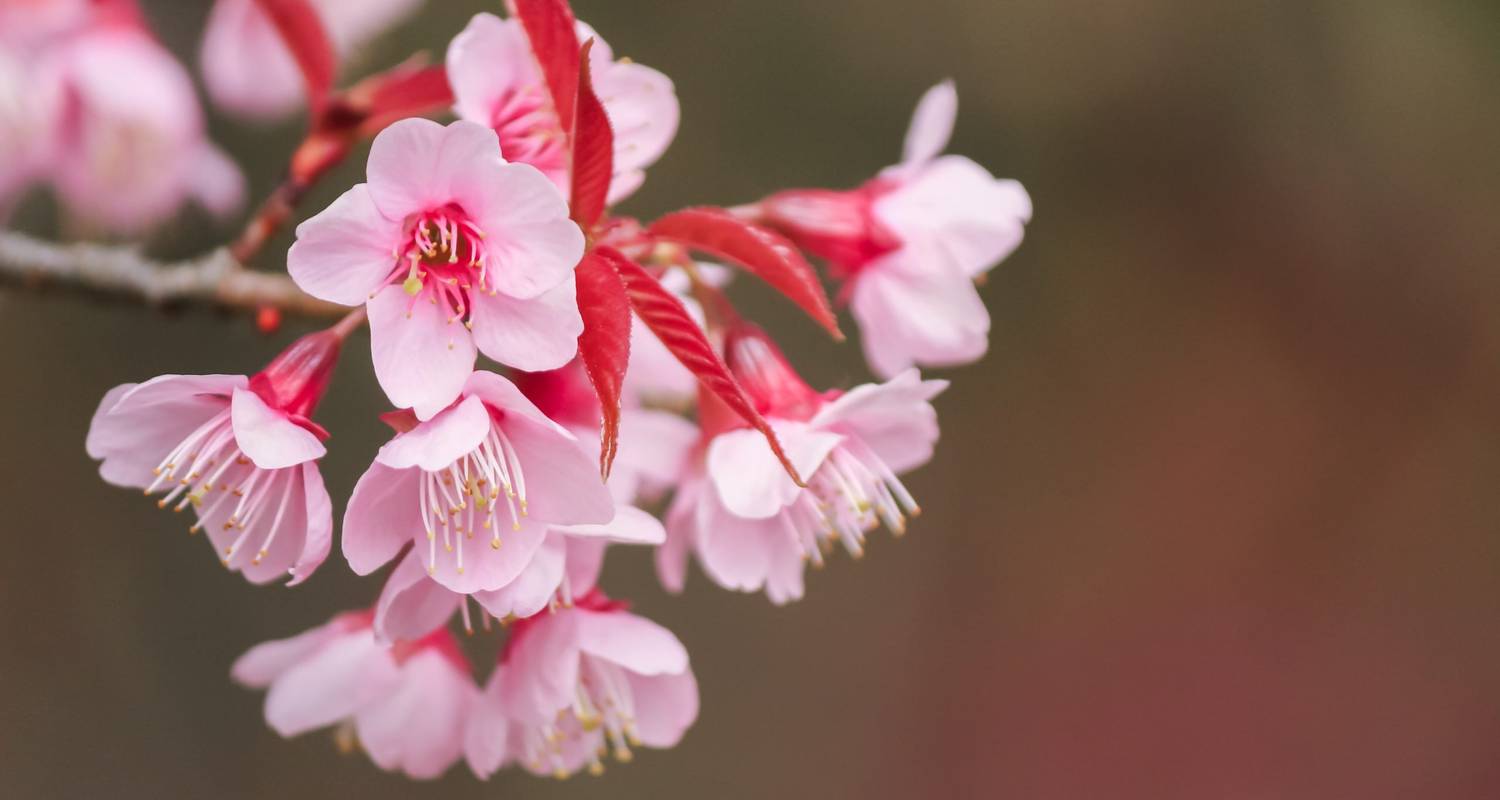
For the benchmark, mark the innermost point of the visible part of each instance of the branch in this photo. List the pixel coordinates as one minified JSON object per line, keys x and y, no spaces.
{"x":119,"y":272}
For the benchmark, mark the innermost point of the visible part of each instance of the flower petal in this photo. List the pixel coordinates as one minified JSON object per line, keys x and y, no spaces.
{"x":531,"y":244}
{"x":381,"y":518}
{"x":665,"y":706}
{"x":533,"y":335}
{"x":633,"y":642}
{"x":750,"y":479}
{"x":563,"y":486}
{"x":265,"y":662}
{"x":486,"y":739}
{"x":488,"y":61}
{"x":418,"y":727}
{"x":454,"y":433}
{"x":909,"y":316}
{"x":931,"y":125}
{"x":630,"y":526}
{"x":422,"y":357}
{"x":137,"y":425}
{"x":412,"y":605}
{"x":533,"y":588}
{"x":346,"y":251}
{"x":331,"y":685}
{"x":895,"y":418}
{"x":415,"y":162}
{"x":267,"y":436}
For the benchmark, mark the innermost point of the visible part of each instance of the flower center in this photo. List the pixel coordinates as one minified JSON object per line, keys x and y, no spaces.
{"x":463,"y":497}
{"x":445,"y":258}
{"x":208,"y":471}
{"x":851,"y":493}
{"x":529,"y":131}
{"x":601,"y":717}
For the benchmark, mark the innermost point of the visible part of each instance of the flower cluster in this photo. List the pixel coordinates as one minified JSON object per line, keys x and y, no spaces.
{"x":616,"y":378}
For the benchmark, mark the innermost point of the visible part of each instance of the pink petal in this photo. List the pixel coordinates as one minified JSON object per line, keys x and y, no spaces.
{"x":412,"y":605}
{"x":533,"y":335}
{"x":629,"y":526}
{"x":909,"y":316}
{"x":563,"y":486}
{"x":214,"y":180}
{"x":268,"y":437}
{"x":635,"y":643}
{"x":486,"y":568}
{"x":418,"y":727}
{"x":682,"y":532}
{"x":895,"y":418}
{"x":345,"y":252}
{"x":737,"y":552}
{"x":750,"y":479}
{"x":500,"y":394}
{"x":422,"y":357}
{"x":931,"y":125}
{"x":335,"y":682}
{"x":454,"y":433}
{"x":784,"y":571}
{"x":543,"y":674}
{"x":958,"y":213}
{"x":137,"y":425}
{"x":381,"y":518}
{"x":654,"y":448}
{"x":531,"y":244}
{"x":414,"y":163}
{"x":246,"y":66}
{"x":533,"y":588}
{"x":318,"y":539}
{"x":584,"y":562}
{"x":487,"y":739}
{"x":665,"y":706}
{"x":265,"y":662}
{"x":644,"y":113}
{"x":487,"y":61}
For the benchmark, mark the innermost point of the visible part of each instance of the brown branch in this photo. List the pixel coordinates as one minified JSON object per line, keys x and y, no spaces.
{"x":122,"y":272}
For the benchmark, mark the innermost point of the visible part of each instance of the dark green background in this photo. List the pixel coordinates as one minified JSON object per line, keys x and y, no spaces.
{"x":1216,"y":518}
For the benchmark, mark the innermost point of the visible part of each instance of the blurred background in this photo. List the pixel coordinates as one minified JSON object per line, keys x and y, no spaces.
{"x":1216,"y":518}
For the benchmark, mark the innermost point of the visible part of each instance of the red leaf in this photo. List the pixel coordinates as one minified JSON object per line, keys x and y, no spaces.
{"x":302,"y":30}
{"x":408,"y":90}
{"x":765,"y":254}
{"x":550,"y":26}
{"x":666,"y":316}
{"x":604,"y":345}
{"x":593,"y":150}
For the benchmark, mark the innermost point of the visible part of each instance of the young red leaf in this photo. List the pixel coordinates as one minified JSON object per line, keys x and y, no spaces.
{"x":553,"y":34}
{"x":593,"y":150}
{"x":666,"y":316}
{"x":604,"y":345}
{"x":407,"y":90}
{"x":768,"y":255}
{"x":302,"y":30}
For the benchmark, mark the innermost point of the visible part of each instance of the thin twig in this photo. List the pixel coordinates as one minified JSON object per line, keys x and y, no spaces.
{"x":122,"y":272}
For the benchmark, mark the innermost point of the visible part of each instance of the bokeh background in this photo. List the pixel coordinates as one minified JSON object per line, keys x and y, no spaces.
{"x":1216,"y":518}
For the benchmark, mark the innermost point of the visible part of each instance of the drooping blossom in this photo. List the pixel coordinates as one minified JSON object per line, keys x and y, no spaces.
{"x":132,"y":145}
{"x":240,"y":452}
{"x":454,"y":250}
{"x":739,"y":511}
{"x":247,"y":67}
{"x":911,"y":243}
{"x":497,"y":83}
{"x":563,"y":567}
{"x":474,"y":489}
{"x":576,"y":684}
{"x":406,"y":705}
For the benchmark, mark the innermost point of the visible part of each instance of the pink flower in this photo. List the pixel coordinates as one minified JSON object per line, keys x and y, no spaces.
{"x":911,"y":242}
{"x":497,"y":83}
{"x":489,"y":466}
{"x":247,"y":66}
{"x":30,"y":110}
{"x":130,"y":141}
{"x":564,"y":566}
{"x":750,"y":525}
{"x":240,"y":451}
{"x":407,"y":705}
{"x":454,"y":249}
{"x":575,"y":684}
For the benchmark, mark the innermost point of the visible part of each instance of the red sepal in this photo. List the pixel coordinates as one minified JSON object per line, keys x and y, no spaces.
{"x":666,"y":316}
{"x":593,"y":150}
{"x":553,"y":34}
{"x":766,"y":254}
{"x":604,"y":345}
{"x":302,"y":30}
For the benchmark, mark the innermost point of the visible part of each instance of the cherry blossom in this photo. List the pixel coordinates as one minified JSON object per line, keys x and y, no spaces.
{"x":249,"y":70}
{"x":454,"y":250}
{"x":575,"y":685}
{"x":750,"y":525}
{"x":406,"y":705}
{"x":497,"y":83}
{"x":241,"y":452}
{"x":911,"y":242}
{"x":481,"y":481}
